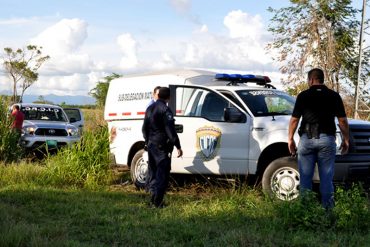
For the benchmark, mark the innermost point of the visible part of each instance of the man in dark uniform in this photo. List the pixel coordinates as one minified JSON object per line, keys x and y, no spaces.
{"x":318,"y":106}
{"x":160,"y":138}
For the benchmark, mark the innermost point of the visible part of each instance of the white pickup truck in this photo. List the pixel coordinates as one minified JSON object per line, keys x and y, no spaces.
{"x":228,"y":124}
{"x":49,"y":125}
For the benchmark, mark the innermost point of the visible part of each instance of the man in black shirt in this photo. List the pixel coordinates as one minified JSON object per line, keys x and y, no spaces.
{"x":318,"y":106}
{"x":160,"y":138}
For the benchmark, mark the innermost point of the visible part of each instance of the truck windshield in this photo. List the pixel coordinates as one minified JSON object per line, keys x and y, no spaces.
{"x":267,"y":102}
{"x":43,"y":113}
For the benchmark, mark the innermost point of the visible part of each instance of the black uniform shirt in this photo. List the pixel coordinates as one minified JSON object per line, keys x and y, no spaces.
{"x":159,"y":126}
{"x":319,"y":105}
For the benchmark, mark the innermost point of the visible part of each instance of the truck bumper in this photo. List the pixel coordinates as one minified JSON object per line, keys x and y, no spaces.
{"x":38,"y":141}
{"x":352,"y":167}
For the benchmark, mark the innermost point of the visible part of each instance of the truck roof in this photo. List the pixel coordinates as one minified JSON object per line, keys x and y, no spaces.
{"x":185,"y":73}
{"x":129,"y":96}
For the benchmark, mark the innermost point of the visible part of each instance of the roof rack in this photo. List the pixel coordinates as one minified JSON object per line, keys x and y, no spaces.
{"x":235,"y":79}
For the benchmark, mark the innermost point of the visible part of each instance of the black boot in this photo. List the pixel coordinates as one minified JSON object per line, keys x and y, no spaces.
{"x":158,"y":201}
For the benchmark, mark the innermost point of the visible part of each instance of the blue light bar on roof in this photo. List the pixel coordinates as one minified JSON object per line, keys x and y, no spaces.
{"x":249,"y":76}
{"x":237,"y":78}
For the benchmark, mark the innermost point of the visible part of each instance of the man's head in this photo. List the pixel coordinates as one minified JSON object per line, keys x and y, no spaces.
{"x":315,"y":77}
{"x":155,"y":92}
{"x":15,"y":108}
{"x":164,"y":93}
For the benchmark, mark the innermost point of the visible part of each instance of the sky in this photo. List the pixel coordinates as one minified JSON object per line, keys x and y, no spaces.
{"x":90,"y":39}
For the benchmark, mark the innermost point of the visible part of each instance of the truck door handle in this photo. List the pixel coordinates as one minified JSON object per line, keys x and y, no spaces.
{"x":179,"y":128}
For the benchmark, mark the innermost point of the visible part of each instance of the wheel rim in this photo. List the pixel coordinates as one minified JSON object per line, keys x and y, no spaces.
{"x":285,"y":183}
{"x":141,"y":171}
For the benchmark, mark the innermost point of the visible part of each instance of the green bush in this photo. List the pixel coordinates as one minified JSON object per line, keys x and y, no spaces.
{"x":352,"y":209}
{"x":305,"y":214}
{"x":85,"y":164}
{"x":351,"y":212}
{"x":10,"y":150}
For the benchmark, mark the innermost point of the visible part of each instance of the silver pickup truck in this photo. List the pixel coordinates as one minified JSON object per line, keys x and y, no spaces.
{"x":49,"y":125}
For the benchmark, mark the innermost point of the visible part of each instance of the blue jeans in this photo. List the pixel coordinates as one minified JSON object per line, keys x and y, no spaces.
{"x":321,"y":151}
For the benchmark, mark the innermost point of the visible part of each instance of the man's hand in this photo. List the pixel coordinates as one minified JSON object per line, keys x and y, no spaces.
{"x":344,"y":146}
{"x":293,"y":124}
{"x":292,"y":147}
{"x":344,"y":128}
{"x":179,"y":153}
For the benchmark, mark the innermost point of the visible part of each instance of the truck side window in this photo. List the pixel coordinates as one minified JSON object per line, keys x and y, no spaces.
{"x":231,"y":97}
{"x":196,"y":102}
{"x":213,"y":107}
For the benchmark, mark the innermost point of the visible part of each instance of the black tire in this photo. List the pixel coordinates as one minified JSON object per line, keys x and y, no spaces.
{"x":281,"y":179}
{"x":139,"y":170}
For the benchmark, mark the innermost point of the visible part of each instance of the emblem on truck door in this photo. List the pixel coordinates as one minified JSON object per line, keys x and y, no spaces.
{"x":208,"y":141}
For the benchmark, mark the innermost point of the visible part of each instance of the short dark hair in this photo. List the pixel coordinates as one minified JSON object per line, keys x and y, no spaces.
{"x":16,"y":107}
{"x":156,"y":88}
{"x":164,"y":93}
{"x":317,"y":74}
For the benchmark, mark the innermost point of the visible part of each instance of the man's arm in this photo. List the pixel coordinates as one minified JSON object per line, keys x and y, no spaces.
{"x":344,"y":128}
{"x":146,"y":124}
{"x":171,"y":132}
{"x":293,"y":124}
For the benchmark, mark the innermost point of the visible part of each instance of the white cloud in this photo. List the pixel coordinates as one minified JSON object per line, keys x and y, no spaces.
{"x":242,"y":25}
{"x":66,"y":72}
{"x":62,"y":42}
{"x":76,"y":84}
{"x":184,"y":8}
{"x":165,"y":62}
{"x":242,"y":49}
{"x":181,"y":5}
{"x":128,"y":48}
{"x":17,"y":21}
{"x":64,"y":37}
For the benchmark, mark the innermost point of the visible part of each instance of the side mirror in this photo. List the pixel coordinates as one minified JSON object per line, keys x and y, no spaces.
{"x":72,"y":120}
{"x":233,"y":115}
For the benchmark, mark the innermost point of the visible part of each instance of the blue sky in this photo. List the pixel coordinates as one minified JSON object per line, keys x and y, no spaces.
{"x":90,"y":39}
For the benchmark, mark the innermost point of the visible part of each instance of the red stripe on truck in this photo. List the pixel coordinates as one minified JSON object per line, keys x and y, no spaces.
{"x":126,"y":113}
{"x":112,"y":114}
{"x":141,"y":113}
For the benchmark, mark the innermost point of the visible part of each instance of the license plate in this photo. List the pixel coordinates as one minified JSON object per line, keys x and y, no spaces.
{"x":51,"y":143}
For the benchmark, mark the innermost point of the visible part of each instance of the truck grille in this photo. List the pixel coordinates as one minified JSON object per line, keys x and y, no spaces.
{"x":360,"y":139}
{"x":51,"y":132}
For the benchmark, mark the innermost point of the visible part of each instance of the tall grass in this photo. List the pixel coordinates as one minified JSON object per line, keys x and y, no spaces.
{"x":10,"y":149}
{"x":85,"y":164}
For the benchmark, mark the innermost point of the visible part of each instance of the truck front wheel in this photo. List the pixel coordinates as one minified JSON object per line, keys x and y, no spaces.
{"x":281,"y":179}
{"x":139,"y":169}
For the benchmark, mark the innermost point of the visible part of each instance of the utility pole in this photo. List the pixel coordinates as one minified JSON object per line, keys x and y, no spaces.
{"x":357,"y":93}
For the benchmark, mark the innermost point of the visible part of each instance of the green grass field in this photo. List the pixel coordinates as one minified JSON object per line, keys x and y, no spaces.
{"x":197,"y":215}
{"x":74,"y":198}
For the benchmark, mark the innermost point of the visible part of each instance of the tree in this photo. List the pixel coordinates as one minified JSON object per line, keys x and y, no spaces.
{"x":41,"y":100}
{"x":319,"y":33}
{"x":22,"y":66}
{"x":101,"y":89}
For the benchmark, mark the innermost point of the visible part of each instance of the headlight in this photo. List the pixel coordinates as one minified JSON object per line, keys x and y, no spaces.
{"x":72,"y":131}
{"x":29,"y":130}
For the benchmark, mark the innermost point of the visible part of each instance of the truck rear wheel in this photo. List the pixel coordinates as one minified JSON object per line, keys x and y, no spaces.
{"x":281,"y":179}
{"x":139,"y":169}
